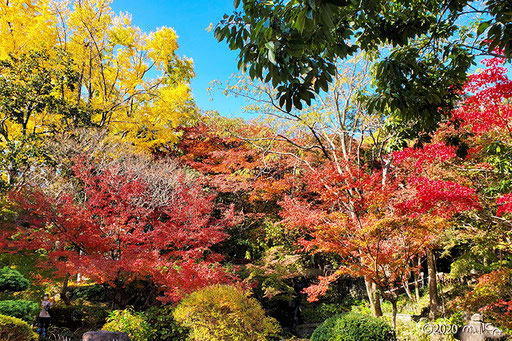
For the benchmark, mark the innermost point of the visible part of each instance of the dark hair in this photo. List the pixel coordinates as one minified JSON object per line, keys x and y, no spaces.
{"x":42,"y":297}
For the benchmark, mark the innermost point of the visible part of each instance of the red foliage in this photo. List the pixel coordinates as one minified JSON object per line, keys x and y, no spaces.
{"x":492,"y":296}
{"x":505,"y":203}
{"x":431,"y":153}
{"x":232,"y":164}
{"x":114,"y":233}
{"x":437,"y":197}
{"x":487,"y":106}
{"x":376,"y":222}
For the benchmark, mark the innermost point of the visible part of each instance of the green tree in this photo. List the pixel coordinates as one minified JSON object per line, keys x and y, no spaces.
{"x":295,"y":44}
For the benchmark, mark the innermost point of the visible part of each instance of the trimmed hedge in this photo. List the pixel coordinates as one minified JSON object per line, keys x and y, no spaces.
{"x":12,"y":280}
{"x":14,"y":329}
{"x":95,"y":293}
{"x":22,"y":309}
{"x":353,"y":327}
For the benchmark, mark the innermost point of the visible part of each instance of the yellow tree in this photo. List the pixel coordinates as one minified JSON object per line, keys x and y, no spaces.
{"x":69,"y":63}
{"x":134,"y":81}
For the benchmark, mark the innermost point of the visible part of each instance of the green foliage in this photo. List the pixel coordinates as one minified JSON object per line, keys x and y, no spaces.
{"x":499,"y":155}
{"x":224,"y":312}
{"x":22,"y":309}
{"x":92,"y":293}
{"x":12,"y":280}
{"x":165,"y":327}
{"x":320,"y":313}
{"x":132,"y":323}
{"x":410,"y":331}
{"x":296,"y":44}
{"x":78,"y":316}
{"x":432,"y":89}
{"x":353,"y":327}
{"x":272,"y":272}
{"x":14,"y":329}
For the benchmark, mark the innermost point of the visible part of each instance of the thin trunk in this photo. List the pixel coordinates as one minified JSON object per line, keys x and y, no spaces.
{"x":373,"y":297}
{"x":64,"y":291}
{"x":369,"y":293}
{"x":376,"y":298}
{"x":395,"y":311}
{"x":407,"y":290}
{"x":416,"y":280}
{"x":432,"y":284}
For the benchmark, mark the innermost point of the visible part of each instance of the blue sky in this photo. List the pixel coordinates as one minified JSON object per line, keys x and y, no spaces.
{"x":190,"y":19}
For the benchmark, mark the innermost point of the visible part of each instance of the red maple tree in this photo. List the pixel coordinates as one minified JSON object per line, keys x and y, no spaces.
{"x":115,"y":231}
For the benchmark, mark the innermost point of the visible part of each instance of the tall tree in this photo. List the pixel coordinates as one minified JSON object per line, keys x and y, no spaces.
{"x":294,"y":44}
{"x":68,"y":64}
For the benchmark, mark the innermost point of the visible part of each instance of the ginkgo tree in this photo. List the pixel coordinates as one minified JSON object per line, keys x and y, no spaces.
{"x":71,"y":63}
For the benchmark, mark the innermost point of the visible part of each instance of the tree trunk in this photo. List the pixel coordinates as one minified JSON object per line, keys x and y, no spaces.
{"x":416,"y":280}
{"x":376,"y":297}
{"x":373,"y":297}
{"x":432,"y":284}
{"x":408,"y":290}
{"x":395,"y":311}
{"x":64,"y":291}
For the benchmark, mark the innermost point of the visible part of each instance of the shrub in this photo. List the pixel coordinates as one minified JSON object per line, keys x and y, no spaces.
{"x":12,"y":280}
{"x":412,"y":331}
{"x":225,"y":312}
{"x":132,"y":323}
{"x":91,"y":317}
{"x":353,"y":327}
{"x":93,"y":293}
{"x":492,"y":296}
{"x":320,"y":312}
{"x":165,"y":327}
{"x":22,"y":309}
{"x":14,"y":329}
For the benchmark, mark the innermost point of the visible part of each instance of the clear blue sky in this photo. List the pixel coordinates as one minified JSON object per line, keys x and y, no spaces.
{"x":190,"y":19}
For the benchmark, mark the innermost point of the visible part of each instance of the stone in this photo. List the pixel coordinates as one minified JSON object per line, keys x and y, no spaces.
{"x":103,"y":335}
{"x":478,"y":330}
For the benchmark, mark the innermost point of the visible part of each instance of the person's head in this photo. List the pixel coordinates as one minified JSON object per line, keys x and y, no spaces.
{"x":46,"y":297}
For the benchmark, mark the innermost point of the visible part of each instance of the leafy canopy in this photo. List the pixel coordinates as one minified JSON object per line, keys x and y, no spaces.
{"x":295,"y":45}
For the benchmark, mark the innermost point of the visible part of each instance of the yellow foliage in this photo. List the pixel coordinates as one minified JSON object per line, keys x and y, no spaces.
{"x":26,"y":25}
{"x":122,"y":75}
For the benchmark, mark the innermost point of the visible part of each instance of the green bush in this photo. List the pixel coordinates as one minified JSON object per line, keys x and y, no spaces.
{"x":12,"y":280}
{"x":91,"y":317}
{"x":14,"y":329}
{"x":316,"y":313}
{"x":22,"y":309}
{"x":165,"y":327}
{"x":353,"y":327}
{"x":224,"y":312}
{"x":411,"y":331}
{"x":132,"y":323}
{"x":93,"y":293}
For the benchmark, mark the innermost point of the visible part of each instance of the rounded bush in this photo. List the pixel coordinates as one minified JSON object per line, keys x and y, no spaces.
{"x":132,"y":323}
{"x":14,"y":329}
{"x":22,"y":309}
{"x":353,"y":327}
{"x":12,"y":280}
{"x":224,"y":312}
